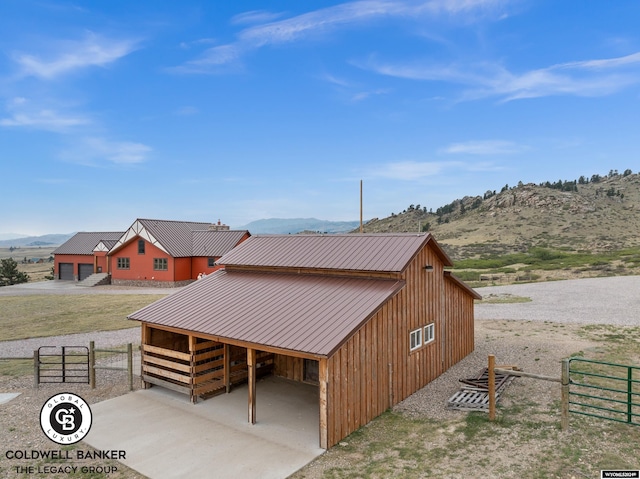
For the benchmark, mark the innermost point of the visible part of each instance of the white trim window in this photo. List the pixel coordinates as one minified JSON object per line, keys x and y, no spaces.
{"x":429,"y":333}
{"x":415,"y":339}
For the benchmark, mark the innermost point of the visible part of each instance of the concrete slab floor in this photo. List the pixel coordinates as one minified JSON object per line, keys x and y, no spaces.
{"x":165,"y":436}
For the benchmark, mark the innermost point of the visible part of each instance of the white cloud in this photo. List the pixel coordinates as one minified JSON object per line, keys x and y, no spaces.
{"x":24,"y":113}
{"x":485,"y":147}
{"x":255,"y":16}
{"x":99,"y":151}
{"x":411,"y":170}
{"x":187,"y":111}
{"x":324,"y":21}
{"x":68,"y":56}
{"x":367,"y":94}
{"x":598,"y":77}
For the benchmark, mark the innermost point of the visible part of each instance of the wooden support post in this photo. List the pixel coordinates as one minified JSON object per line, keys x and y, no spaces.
{"x":323,"y":373}
{"x":492,"y":387}
{"x":227,"y":368}
{"x":192,"y":369}
{"x":36,"y":368}
{"x":251,"y":366}
{"x":565,"y":394}
{"x":92,"y":364}
{"x":145,"y":339}
{"x":130,"y":365}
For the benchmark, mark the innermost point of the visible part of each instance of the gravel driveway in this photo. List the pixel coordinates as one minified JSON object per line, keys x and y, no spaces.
{"x":614,"y":300}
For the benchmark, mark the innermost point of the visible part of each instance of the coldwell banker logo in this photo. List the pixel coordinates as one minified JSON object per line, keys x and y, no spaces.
{"x":65,"y":418}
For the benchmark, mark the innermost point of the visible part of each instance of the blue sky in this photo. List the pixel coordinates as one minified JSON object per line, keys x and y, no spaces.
{"x":201,"y":110}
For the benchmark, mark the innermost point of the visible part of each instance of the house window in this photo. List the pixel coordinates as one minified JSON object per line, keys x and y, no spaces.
{"x":211,"y":262}
{"x":415,"y":339}
{"x":160,"y":264}
{"x":429,"y":333}
{"x":140,"y":246}
{"x":123,"y":263}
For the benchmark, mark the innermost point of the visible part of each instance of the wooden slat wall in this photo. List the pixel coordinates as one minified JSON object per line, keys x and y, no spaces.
{"x":375,"y":370}
{"x":289,"y":367}
{"x":459,"y":321}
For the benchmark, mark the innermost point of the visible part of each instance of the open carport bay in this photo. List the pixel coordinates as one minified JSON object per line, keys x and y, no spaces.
{"x":165,"y":436}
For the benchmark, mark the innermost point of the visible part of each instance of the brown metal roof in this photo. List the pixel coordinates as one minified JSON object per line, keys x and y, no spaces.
{"x":216,"y":243}
{"x":84,"y":242}
{"x":351,"y":252}
{"x":174,"y":237}
{"x":304,"y":313}
{"x":453,"y":278}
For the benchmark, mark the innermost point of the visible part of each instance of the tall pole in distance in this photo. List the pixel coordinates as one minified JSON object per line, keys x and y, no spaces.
{"x":361,"y":226}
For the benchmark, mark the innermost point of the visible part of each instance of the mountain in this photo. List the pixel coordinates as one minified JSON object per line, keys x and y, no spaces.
{"x":297,"y":225}
{"x":8,"y":236}
{"x":595,"y":215}
{"x":44,"y":240}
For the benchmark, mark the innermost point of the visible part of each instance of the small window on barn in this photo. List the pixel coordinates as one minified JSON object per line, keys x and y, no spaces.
{"x":415,"y":339}
{"x":140,"y":246}
{"x":160,"y":264}
{"x":429,"y":333}
{"x":211,"y":262}
{"x":123,"y":263}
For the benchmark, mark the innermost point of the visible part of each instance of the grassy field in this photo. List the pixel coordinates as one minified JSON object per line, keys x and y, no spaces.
{"x":36,"y":271}
{"x":546,"y":264}
{"x":25,"y":317}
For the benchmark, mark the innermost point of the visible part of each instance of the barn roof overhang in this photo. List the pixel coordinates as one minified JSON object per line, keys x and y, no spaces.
{"x":461,"y":284}
{"x":308,"y":316}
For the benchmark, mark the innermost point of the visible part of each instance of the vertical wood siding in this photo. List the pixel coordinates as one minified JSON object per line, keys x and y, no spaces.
{"x":375,"y":369}
{"x":459,"y":323}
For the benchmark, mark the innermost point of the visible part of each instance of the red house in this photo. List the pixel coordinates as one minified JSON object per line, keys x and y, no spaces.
{"x":169,"y":253}
{"x":150,"y":252}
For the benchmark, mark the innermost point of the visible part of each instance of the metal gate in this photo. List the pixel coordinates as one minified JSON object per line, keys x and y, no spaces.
{"x":604,"y":390}
{"x":61,"y":364}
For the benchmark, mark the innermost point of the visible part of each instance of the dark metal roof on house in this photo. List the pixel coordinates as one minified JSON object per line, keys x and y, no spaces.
{"x":84,"y":242}
{"x":311,"y":314}
{"x":352,"y":252}
{"x":173,"y":237}
{"x":110,"y":243}
{"x":215,"y":243}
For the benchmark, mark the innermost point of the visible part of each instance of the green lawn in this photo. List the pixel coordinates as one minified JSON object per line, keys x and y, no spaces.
{"x":23,"y":317}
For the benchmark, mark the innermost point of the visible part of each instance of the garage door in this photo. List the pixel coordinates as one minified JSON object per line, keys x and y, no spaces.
{"x":84,"y":271}
{"x":65,"y":271}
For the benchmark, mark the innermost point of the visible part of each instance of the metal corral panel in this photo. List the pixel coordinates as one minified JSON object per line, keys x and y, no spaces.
{"x":309,"y":314}
{"x":351,"y":252}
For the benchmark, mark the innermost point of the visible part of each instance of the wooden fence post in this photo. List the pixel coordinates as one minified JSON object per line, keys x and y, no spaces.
{"x":130,"y":365}
{"x":492,"y":387}
{"x":36,"y":368}
{"x":565,"y":394}
{"x":92,"y":364}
